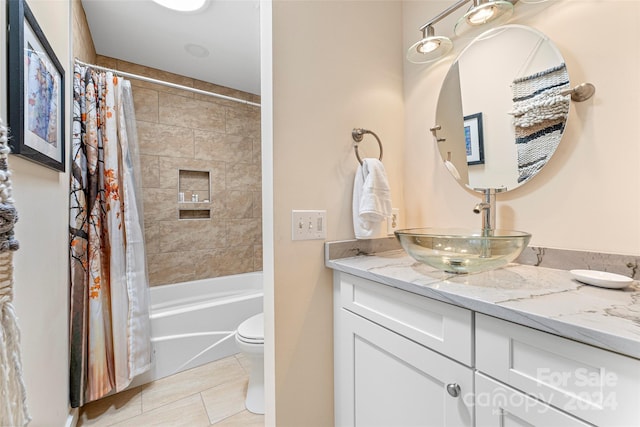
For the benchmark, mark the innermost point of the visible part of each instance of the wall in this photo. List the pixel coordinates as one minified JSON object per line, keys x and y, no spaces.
{"x":336,"y":66}
{"x":586,"y":196}
{"x":182,"y":130}
{"x":41,"y":286}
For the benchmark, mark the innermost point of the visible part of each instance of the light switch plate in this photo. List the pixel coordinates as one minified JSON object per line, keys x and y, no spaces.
{"x":308,"y":225}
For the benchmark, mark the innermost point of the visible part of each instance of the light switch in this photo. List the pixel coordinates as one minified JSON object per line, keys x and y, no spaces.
{"x":308,"y":225}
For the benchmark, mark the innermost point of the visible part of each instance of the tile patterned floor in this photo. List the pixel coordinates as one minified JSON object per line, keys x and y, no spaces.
{"x":209,"y":395}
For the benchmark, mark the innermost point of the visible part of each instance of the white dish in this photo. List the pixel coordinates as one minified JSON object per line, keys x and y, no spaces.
{"x":601,"y":278}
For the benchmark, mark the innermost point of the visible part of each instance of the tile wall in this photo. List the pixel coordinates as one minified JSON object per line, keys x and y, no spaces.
{"x":180,"y":130}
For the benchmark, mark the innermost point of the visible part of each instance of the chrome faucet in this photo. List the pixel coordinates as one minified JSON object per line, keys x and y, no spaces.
{"x":488,"y":209}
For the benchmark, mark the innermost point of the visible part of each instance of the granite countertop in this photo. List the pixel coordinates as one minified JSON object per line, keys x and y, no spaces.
{"x":546,"y":299}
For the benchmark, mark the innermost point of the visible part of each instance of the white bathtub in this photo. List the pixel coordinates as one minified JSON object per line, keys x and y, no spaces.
{"x":193,"y":323}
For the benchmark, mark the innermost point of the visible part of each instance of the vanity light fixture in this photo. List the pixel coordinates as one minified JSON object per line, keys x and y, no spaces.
{"x":482,"y":12}
{"x":431,"y":47}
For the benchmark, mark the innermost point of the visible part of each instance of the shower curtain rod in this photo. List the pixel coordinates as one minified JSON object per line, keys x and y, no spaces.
{"x":172,"y":85}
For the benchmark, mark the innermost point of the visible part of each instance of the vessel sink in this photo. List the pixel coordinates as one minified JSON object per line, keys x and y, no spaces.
{"x":462,"y":250}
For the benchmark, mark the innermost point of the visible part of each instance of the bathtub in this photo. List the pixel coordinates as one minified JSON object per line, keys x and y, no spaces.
{"x":193,"y":323}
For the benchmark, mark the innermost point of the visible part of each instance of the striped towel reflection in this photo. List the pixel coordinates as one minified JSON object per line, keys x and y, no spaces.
{"x":539,"y":116}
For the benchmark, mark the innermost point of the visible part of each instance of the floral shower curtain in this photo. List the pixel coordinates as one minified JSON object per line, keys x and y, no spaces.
{"x":109,"y":329}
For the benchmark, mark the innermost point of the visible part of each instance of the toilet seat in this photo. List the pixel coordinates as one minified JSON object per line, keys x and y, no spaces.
{"x":251,"y":331}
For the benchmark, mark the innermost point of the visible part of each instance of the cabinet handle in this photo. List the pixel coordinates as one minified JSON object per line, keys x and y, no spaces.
{"x":453,"y":389}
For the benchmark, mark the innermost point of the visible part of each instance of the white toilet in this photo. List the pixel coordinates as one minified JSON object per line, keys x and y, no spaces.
{"x":250,"y":340}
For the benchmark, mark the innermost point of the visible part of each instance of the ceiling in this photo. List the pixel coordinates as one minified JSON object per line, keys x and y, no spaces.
{"x":145,"y":33}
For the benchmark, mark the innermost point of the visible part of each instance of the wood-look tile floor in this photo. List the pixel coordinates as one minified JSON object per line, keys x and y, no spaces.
{"x":209,"y":395}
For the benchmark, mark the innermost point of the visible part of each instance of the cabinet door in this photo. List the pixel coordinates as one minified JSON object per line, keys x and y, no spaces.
{"x":590,"y":383}
{"x":384,"y":379}
{"x":500,"y":406}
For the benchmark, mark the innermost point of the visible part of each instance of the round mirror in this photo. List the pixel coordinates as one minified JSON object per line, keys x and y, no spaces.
{"x":501,"y":114}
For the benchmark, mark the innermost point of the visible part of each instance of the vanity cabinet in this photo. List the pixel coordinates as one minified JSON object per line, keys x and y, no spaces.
{"x":589,"y":383}
{"x":386,"y":374}
{"x":406,"y":360}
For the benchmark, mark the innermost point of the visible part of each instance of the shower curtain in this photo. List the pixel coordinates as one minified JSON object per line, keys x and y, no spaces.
{"x":109,"y":328}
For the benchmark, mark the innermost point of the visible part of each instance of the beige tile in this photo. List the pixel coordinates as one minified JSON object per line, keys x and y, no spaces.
{"x":222,"y":262}
{"x":257,"y":258}
{"x":111,"y":409}
{"x":180,"y":236}
{"x":243,"y":120}
{"x":222,"y":147}
{"x":187,"y":412}
{"x":152,"y":237}
{"x":194,"y":380}
{"x":257,"y":204}
{"x":243,"y":419}
{"x":239,"y":204}
{"x":257,"y":150}
{"x":171,"y":267}
{"x":106,"y":61}
{"x":160,"y":204}
{"x":244,"y":231}
{"x":157,"y":139}
{"x":218,"y":205}
{"x":243,"y":176}
{"x":225,"y":400}
{"x":149,"y":166}
{"x":145,"y":103}
{"x":222,"y":90}
{"x":191,"y":113}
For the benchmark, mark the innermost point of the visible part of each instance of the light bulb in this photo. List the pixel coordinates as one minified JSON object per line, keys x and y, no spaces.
{"x":482,"y":15}
{"x":495,"y":12}
{"x":429,"y":46}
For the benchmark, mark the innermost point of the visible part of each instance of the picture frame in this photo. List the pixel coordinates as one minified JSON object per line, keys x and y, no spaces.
{"x":474,"y":139}
{"x":36,"y":92}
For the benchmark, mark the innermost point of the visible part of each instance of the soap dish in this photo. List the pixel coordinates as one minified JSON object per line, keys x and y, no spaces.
{"x":602,"y":279}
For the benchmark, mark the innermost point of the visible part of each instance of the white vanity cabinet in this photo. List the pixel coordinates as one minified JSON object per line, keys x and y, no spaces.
{"x":406,"y":360}
{"x":386,"y":370}
{"x":591,"y":386}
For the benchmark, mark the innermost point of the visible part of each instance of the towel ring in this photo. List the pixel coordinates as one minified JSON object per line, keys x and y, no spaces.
{"x":357,"y":135}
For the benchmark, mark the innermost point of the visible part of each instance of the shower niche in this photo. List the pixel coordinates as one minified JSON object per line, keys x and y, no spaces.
{"x":194,"y":194}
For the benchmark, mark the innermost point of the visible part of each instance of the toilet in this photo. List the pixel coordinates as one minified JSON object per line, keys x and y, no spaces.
{"x":250,"y":340}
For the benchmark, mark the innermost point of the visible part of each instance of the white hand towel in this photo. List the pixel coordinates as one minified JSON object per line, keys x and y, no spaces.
{"x":371,"y":199}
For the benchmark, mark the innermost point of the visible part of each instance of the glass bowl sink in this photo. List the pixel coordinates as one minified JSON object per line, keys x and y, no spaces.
{"x":462,"y":250}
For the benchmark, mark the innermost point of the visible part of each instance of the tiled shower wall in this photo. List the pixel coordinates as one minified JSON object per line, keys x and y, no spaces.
{"x":182,"y":130}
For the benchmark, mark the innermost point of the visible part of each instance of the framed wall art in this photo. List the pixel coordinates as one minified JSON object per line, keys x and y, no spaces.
{"x":473,"y":139}
{"x":36,"y":91}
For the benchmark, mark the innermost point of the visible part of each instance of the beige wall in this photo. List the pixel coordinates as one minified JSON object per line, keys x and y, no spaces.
{"x":41,"y":286}
{"x":336,"y":66}
{"x":586,"y":197}
{"x":180,"y":130}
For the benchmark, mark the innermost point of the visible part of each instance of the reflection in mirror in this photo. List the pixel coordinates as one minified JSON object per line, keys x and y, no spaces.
{"x":500,"y":112}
